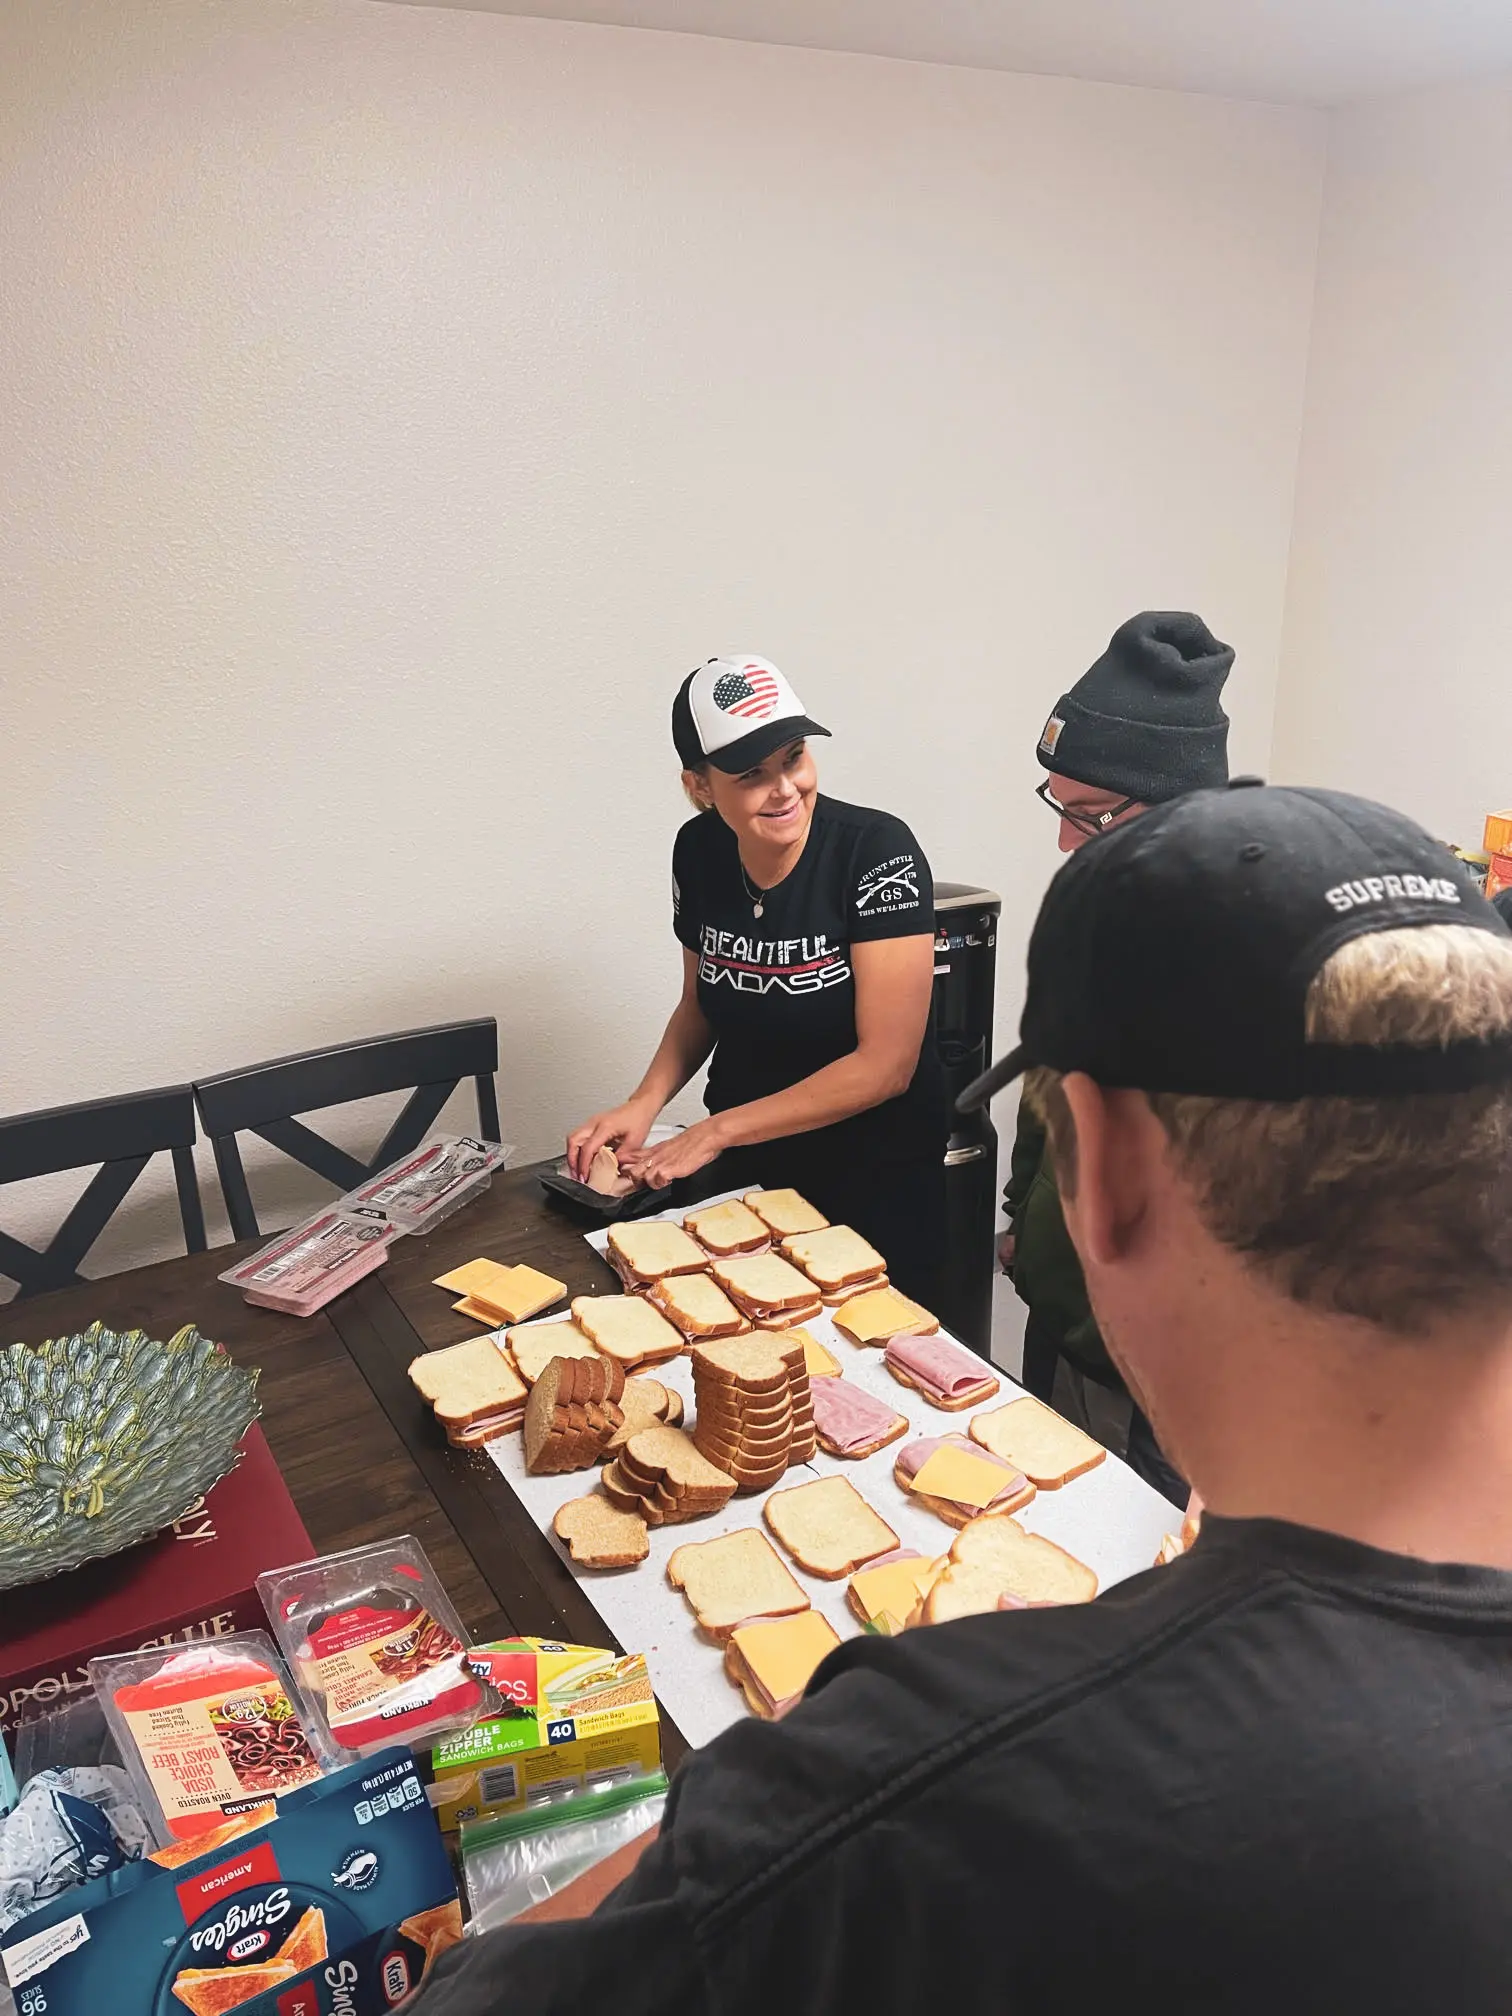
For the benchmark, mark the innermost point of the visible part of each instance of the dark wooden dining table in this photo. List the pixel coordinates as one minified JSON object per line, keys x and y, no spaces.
{"x":360,"y":1451}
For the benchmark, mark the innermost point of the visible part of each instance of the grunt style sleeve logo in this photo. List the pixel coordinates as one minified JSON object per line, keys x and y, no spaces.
{"x":891,"y":885}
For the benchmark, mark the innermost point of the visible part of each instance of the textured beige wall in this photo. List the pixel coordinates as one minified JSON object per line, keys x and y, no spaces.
{"x":1396,"y":677}
{"x":393,"y":404}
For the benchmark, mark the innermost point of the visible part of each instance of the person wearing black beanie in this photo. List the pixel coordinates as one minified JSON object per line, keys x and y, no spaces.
{"x":1142,"y":725}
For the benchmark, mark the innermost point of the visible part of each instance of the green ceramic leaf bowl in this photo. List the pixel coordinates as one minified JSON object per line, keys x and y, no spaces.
{"x":106,"y":1438}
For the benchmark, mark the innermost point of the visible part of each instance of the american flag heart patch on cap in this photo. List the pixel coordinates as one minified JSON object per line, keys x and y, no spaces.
{"x":750,"y":693}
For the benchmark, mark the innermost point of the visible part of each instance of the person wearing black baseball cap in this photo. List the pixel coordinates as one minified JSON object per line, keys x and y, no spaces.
{"x":1143,"y":725}
{"x":807,"y":928}
{"x":1272,"y":1030}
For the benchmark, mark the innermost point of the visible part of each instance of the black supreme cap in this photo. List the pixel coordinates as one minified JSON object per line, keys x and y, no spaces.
{"x":1174,"y":954}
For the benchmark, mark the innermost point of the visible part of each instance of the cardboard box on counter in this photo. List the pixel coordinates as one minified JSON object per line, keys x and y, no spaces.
{"x":1497,"y":838}
{"x":577,"y":1719}
{"x":337,"y":1907}
{"x":1499,"y":874}
{"x":196,"y":1580}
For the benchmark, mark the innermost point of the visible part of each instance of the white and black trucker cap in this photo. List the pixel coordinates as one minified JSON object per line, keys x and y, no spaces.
{"x":733,"y":712}
{"x":1174,"y":954}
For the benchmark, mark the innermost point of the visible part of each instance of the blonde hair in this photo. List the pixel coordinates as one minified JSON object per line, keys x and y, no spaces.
{"x":1386,"y":1209}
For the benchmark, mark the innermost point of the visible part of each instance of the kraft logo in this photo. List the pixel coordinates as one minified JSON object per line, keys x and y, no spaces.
{"x":1346,"y":896}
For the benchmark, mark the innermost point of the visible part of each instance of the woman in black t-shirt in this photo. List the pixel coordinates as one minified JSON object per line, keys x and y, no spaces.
{"x":807,"y":929}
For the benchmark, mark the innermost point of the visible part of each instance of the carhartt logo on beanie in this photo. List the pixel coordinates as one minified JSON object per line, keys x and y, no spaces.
{"x":1145,"y":720}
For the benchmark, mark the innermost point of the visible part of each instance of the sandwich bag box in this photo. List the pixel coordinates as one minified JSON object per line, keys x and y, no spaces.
{"x":575,"y":1719}
{"x":196,"y":1581}
{"x":338,"y":1905}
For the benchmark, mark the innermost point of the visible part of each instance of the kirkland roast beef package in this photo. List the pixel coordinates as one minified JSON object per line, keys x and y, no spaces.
{"x":335,"y":1908}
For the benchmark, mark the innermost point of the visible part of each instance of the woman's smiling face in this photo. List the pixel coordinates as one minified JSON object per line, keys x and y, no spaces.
{"x":767,"y":808}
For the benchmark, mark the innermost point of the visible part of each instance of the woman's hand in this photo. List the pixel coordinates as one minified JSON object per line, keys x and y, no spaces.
{"x":622,"y":1128}
{"x":684,"y":1155}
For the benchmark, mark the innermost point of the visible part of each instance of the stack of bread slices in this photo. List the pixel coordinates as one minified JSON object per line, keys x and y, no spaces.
{"x":572,"y":1413}
{"x":754,"y":1411}
{"x":660,"y":1474}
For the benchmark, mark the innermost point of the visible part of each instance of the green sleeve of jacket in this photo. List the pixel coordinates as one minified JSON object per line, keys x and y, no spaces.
{"x":1047,"y":1274}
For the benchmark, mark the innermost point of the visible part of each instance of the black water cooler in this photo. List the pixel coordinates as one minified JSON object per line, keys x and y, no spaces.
{"x":965,"y":964}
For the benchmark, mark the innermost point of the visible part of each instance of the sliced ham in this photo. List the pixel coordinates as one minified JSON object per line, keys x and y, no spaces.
{"x":944,"y":1368}
{"x":912,"y":1457}
{"x":849,"y":1417}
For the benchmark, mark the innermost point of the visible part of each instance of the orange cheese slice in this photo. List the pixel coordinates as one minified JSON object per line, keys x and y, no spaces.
{"x":509,"y":1295}
{"x":476,"y":1275}
{"x":965,"y":1480}
{"x":895,"y":1587}
{"x":817,"y":1362}
{"x":783,"y":1653}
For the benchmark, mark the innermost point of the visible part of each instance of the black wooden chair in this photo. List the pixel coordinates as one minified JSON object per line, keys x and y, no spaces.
{"x":122,"y":1135}
{"x":264,"y":1099}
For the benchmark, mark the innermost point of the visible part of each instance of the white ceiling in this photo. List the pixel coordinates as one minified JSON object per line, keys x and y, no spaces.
{"x":1312,"y":52}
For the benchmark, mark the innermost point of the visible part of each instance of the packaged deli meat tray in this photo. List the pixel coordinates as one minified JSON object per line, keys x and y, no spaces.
{"x":340,"y":1903}
{"x":420,"y":1190}
{"x":378,"y":1649}
{"x":207,"y":1732}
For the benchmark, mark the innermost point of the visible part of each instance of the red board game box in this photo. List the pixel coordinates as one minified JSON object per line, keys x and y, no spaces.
{"x":195,"y":1581}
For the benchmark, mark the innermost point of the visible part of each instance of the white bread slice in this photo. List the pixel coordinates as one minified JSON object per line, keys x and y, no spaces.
{"x":1034,"y":1438}
{"x":874,"y":1317}
{"x":790,"y":1319}
{"x":651,"y":1247}
{"x":753,"y":1364}
{"x":1026,"y":1565}
{"x":841,"y":1296}
{"x":600,"y":1536}
{"x":828,"y":1527}
{"x":732,"y":1579}
{"x":961,"y":1592}
{"x":698,"y":1306}
{"x":764,"y":1283}
{"x":533,"y":1349}
{"x":785,"y":1212}
{"x":835,"y":1256}
{"x":626,"y":1327}
{"x":467,"y":1381}
{"x":727,"y":1228}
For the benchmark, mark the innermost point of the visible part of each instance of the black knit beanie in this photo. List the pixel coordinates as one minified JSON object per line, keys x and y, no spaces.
{"x":1145,"y":720}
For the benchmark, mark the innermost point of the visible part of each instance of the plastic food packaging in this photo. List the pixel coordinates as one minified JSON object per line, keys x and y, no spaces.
{"x":68,"y":1826}
{"x":377,"y":1647}
{"x":303,"y":1268}
{"x":207,"y":1731}
{"x":69,"y":1737}
{"x":522,"y":1859}
{"x":420,"y":1190}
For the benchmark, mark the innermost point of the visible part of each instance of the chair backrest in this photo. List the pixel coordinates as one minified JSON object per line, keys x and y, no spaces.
{"x":263,"y":1099}
{"x":122,"y":1135}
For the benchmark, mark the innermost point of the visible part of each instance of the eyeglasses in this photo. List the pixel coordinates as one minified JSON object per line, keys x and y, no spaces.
{"x":1090,"y":823}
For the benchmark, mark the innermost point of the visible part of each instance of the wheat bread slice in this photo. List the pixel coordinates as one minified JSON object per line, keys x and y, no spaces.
{"x":698,"y":1307}
{"x":785,"y":1212}
{"x":626,"y":1498}
{"x":626,"y":1328}
{"x":533,"y":1349}
{"x":834,"y":1257}
{"x":733,"y":1579}
{"x":667,"y":1455}
{"x":1028,"y":1566}
{"x":731,"y":1227}
{"x":828,"y":1527}
{"x":1035,"y":1439}
{"x":753,"y":1365}
{"x":599,"y":1535}
{"x":881,"y":1313}
{"x":543,"y":1433}
{"x":467,"y":1381}
{"x":838,"y":1298}
{"x":652,"y":1247}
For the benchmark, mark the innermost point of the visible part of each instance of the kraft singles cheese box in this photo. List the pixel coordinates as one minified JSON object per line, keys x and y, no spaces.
{"x":335,"y":1908}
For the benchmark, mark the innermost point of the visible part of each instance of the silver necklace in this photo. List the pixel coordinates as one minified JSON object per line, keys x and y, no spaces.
{"x":758,"y":896}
